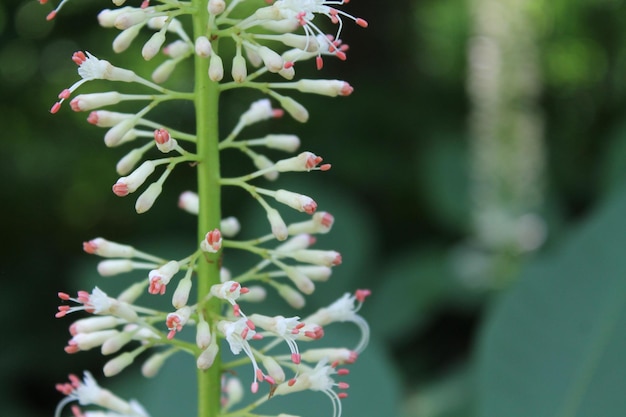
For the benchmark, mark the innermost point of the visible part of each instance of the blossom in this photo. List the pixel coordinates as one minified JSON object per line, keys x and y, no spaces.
{"x":237,"y":334}
{"x":212,"y":242}
{"x":342,"y":310}
{"x":160,"y":277}
{"x":88,"y":392}
{"x":91,"y":68}
{"x":176,"y":320}
{"x":317,"y":379}
{"x":97,"y":303}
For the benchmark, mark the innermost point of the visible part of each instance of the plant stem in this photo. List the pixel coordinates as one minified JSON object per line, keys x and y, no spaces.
{"x":209,"y":214}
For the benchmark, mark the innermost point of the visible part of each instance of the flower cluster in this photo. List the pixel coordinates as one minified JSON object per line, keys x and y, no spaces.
{"x":269,"y":40}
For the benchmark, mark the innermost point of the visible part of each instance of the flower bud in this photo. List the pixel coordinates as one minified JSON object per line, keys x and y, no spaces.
{"x":287,"y":143}
{"x":203,"y":334}
{"x":230,"y":226}
{"x":331,"y":88}
{"x":295,"y":109}
{"x":108,"y":249}
{"x":317,"y":257}
{"x":117,"y":364}
{"x":273,"y":62}
{"x":273,"y":369}
{"x":130,"y":183}
{"x":263,"y":162}
{"x":86,"y":102}
{"x":115,"y":343}
{"x":303,"y":282}
{"x":125,"y":38}
{"x":181,"y":294}
{"x":216,"y":68}
{"x":293,"y":297}
{"x":105,"y":118}
{"x":114,"y":267}
{"x":207,"y":357}
{"x":203,"y":47}
{"x":153,"y":46}
{"x":114,"y":135}
{"x":239,"y":71}
{"x":279,"y":228}
{"x":189,"y":202}
{"x":176,"y":49}
{"x":106,"y":18}
{"x":318,"y":273}
{"x":216,"y":7}
{"x":297,"y":201}
{"x":163,"y":71}
{"x":128,"y":161}
{"x":255,"y":294}
{"x":152,"y":366}
{"x":131,"y":18}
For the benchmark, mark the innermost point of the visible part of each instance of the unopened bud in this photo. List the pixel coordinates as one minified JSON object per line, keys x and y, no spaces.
{"x":114,"y":267}
{"x":163,"y":71}
{"x":203,"y":47}
{"x":153,"y":46}
{"x":279,"y":228}
{"x":152,"y":366}
{"x":216,"y":68}
{"x":207,"y":357}
{"x":293,"y":297}
{"x":117,"y":364}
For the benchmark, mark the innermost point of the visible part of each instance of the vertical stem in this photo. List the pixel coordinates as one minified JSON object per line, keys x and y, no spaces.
{"x":209,"y":215}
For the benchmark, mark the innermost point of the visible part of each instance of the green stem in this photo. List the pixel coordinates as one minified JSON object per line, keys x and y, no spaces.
{"x":209,"y":215}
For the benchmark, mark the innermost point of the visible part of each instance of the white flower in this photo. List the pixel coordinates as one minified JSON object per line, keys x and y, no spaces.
{"x":343,"y":310}
{"x":237,"y":333}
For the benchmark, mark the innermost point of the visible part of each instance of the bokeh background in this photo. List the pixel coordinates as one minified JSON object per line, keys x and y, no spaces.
{"x":478,"y":186}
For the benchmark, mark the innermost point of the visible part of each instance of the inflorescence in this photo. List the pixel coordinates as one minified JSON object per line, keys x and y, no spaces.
{"x":270,"y":40}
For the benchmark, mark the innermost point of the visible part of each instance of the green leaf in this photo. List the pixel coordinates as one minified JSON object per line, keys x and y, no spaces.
{"x":554,"y":345}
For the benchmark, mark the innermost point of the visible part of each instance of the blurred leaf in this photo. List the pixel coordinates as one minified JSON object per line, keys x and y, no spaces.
{"x":450,"y":396}
{"x":414,"y":283}
{"x":554,"y":345}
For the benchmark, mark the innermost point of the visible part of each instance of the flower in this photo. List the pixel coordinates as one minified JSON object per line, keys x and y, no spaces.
{"x":88,"y":392}
{"x":91,"y":68}
{"x":317,"y":379}
{"x":237,"y":334}
{"x":343,"y":310}
{"x":212,"y":242}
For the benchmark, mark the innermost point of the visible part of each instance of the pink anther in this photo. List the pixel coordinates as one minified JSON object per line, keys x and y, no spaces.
{"x":343,"y":371}
{"x":361,"y":294}
{"x":51,"y":15}
{"x":343,"y":385}
{"x":55,"y":107}
{"x":120,"y":189}
{"x":342,"y":395}
{"x":65,"y":94}
{"x":79,"y":57}
{"x":161,"y":136}
{"x":361,"y":22}
{"x":93,"y":118}
{"x":295,"y":358}
{"x":319,"y":62}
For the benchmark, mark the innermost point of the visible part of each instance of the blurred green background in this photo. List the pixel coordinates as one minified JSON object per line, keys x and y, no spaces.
{"x":478,"y":186}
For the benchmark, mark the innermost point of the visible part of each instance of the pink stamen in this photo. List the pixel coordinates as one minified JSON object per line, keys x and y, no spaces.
{"x":51,"y":15}
{"x":319,"y":62}
{"x":55,"y":108}
{"x":361,"y":22}
{"x":79,"y":57}
{"x":361,"y":294}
